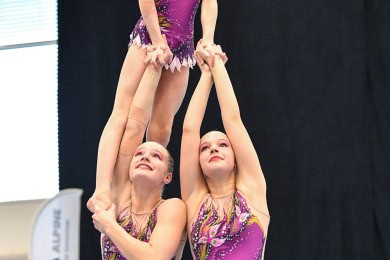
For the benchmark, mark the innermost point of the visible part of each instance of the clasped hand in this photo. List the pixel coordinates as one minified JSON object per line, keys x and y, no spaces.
{"x":158,"y":55}
{"x":104,"y":211}
{"x":103,"y":218}
{"x":205,"y":55}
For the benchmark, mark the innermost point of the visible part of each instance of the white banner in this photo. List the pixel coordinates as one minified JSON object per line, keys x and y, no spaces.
{"x":56,"y":230}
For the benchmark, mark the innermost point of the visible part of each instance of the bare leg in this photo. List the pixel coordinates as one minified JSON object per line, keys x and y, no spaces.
{"x":132,"y":70}
{"x":169,"y":96}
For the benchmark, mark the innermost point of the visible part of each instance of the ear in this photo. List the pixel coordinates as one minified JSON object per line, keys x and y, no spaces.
{"x":168,"y":178}
{"x":235,"y":167}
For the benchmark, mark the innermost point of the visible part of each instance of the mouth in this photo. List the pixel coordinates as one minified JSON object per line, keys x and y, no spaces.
{"x":143,"y":166}
{"x":215,"y":158}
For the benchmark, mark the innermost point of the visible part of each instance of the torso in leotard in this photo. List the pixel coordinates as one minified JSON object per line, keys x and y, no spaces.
{"x":110,"y":251}
{"x":239,"y":234}
{"x":176,"y":18}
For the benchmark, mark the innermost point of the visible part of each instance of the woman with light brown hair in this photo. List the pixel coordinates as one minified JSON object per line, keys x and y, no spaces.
{"x":222,"y":183}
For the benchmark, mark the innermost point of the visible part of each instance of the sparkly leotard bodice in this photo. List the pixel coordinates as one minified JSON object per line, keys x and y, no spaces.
{"x":110,"y":251}
{"x":237,"y":235}
{"x":176,"y":19}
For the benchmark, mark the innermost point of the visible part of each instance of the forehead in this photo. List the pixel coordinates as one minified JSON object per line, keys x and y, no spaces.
{"x":213,"y":136}
{"x":153,"y":146}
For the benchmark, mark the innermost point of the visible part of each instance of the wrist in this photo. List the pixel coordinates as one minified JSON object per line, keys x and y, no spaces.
{"x":206,"y":75}
{"x":159,"y":41}
{"x":102,"y":192}
{"x":110,"y":226}
{"x":207,"y":40}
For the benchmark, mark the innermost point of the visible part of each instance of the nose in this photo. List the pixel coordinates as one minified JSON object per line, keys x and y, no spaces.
{"x":145,"y":157}
{"x":213,"y":149}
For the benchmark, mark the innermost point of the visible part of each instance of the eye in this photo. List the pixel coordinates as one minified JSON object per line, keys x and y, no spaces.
{"x":156,"y":155}
{"x":138,"y":154}
{"x":204,"y":148}
{"x":223,"y":145}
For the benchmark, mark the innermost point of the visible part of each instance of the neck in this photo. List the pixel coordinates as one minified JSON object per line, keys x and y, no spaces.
{"x":221,"y":187}
{"x":143,"y":200}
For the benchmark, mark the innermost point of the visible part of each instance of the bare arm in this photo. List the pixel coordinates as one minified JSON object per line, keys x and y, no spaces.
{"x":209,"y":15}
{"x":111,"y":184}
{"x":165,"y":237}
{"x":250,"y":178}
{"x":192,"y":184}
{"x":180,"y":248}
{"x":139,"y":115}
{"x":150,"y":17}
{"x":149,"y":14}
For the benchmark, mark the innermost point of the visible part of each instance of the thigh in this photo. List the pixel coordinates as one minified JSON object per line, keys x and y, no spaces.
{"x":131,"y":73}
{"x":169,"y":96}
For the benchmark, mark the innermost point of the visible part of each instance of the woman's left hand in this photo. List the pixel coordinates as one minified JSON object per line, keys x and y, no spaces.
{"x":159,"y":54}
{"x":204,"y":68}
{"x":102,"y":219}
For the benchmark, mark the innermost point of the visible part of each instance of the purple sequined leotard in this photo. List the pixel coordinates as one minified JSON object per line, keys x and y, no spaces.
{"x":110,"y":251}
{"x":176,"y":18}
{"x":237,"y":235}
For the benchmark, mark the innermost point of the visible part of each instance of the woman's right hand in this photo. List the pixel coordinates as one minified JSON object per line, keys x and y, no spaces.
{"x":100,"y":200}
{"x":208,"y":52}
{"x":159,"y":53}
{"x":104,"y":218}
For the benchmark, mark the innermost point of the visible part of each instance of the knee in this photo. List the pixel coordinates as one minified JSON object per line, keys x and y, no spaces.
{"x":159,"y":133}
{"x":133,"y":128}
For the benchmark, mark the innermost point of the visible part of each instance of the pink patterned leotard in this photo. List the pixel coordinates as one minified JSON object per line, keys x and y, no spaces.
{"x":176,"y":19}
{"x":237,"y":235}
{"x":110,"y":251}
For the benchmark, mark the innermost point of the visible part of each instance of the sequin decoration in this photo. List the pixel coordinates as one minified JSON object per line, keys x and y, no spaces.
{"x":110,"y":251}
{"x":238,"y":234}
{"x":176,"y":19}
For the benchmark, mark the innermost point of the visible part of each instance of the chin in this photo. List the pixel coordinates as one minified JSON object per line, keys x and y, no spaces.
{"x":217,"y":170}
{"x":139,"y":174}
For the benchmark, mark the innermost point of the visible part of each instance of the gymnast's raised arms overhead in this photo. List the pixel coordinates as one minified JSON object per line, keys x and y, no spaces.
{"x":137,"y":223}
{"x":221,"y":179}
{"x":174,"y":20}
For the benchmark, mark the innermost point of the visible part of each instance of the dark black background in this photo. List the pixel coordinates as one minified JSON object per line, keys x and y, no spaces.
{"x":312,"y":78}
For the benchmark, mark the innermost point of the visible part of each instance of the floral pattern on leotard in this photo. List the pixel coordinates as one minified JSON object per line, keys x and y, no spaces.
{"x":110,"y":251}
{"x":237,"y":235}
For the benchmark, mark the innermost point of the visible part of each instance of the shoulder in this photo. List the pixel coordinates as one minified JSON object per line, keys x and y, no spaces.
{"x":172,"y":208}
{"x":176,"y":202}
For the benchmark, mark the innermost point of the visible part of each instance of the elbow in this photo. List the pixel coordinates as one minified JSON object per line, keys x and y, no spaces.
{"x":233,"y":116}
{"x":134,"y":131}
{"x":147,"y":7}
{"x":187,"y":127}
{"x":152,"y":253}
{"x":190,"y":127}
{"x":236,"y":118}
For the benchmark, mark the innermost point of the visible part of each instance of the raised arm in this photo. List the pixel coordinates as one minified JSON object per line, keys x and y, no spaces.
{"x":139,"y":115}
{"x":192,"y":184}
{"x":250,"y":179}
{"x":110,"y":184}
